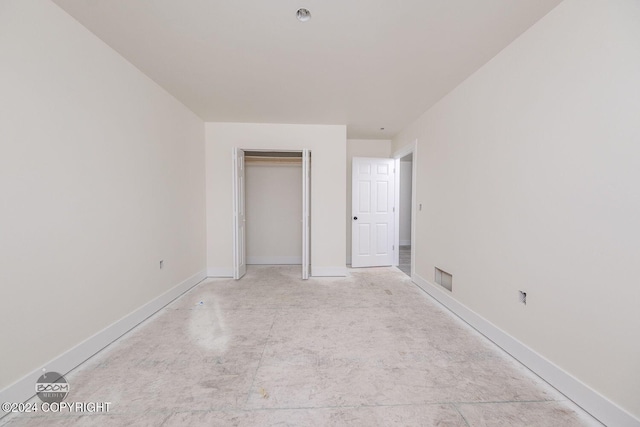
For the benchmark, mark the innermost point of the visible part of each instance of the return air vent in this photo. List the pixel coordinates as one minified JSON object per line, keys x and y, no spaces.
{"x":444,"y":279}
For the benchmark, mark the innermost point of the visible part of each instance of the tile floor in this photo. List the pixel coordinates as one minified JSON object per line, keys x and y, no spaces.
{"x":371,"y":349}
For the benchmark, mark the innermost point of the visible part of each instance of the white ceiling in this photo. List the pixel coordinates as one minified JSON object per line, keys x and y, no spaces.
{"x":364,"y":63}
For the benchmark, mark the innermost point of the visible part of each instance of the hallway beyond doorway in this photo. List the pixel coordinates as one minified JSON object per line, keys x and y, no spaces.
{"x":405,"y":259}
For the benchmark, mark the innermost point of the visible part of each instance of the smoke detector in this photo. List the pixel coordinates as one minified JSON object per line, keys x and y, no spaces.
{"x":303,"y":15}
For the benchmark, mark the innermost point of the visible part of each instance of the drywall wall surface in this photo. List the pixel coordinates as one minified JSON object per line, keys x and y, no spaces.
{"x":405,"y":202}
{"x":361,"y":148}
{"x":328,"y":170}
{"x":101,"y":176}
{"x":273,"y":213}
{"x":528,"y":175}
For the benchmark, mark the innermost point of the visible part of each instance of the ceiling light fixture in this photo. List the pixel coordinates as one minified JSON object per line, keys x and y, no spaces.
{"x":303,"y":15}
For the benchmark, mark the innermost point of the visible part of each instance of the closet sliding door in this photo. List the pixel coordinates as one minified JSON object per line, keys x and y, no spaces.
{"x":239,"y":221}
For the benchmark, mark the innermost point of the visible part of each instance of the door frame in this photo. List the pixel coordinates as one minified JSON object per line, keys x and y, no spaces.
{"x":411,"y":148}
{"x":306,"y":213}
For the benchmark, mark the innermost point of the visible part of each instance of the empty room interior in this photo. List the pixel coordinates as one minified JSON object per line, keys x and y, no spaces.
{"x":313,"y":212}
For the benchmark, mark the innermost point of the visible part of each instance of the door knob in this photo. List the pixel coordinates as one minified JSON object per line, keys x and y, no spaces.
{"x":355,"y":217}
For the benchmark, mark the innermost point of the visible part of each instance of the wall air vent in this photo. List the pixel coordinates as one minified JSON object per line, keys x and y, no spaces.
{"x":444,"y":279}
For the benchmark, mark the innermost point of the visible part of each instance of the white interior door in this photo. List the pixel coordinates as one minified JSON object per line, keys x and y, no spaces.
{"x":372,"y":231}
{"x":239,"y":221}
{"x":305,"y":213}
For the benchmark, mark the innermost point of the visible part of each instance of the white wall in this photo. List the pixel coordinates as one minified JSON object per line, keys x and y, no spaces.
{"x":101,"y":176}
{"x":405,"y":174}
{"x":361,"y":148}
{"x":328,"y":165}
{"x":273,"y":213}
{"x":528,"y":173}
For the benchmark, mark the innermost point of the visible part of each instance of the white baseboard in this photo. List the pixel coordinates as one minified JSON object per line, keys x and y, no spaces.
{"x":405,"y":242}
{"x":24,"y":389}
{"x":590,"y":400}
{"x":315,"y":271}
{"x":274,"y":260}
{"x":328,"y":271}
{"x":219,"y":272}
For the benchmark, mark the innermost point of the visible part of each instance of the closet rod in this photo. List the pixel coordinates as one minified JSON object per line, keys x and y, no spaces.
{"x":280,"y":160}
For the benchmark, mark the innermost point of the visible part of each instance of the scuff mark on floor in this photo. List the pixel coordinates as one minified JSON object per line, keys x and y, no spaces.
{"x":207,"y":327}
{"x":264,"y":393}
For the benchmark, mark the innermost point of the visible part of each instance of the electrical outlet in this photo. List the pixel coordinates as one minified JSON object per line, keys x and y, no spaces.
{"x":161,"y":264}
{"x":523,"y":297}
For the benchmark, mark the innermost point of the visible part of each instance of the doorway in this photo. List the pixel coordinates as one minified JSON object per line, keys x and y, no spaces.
{"x":405,"y":175}
{"x":383,"y":210}
{"x":406,"y":201}
{"x":271,"y":208}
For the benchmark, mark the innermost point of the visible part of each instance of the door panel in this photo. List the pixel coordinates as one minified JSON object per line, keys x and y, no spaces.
{"x":364,"y":242}
{"x":382,"y":197}
{"x":239,"y":221}
{"x":373,"y":184}
{"x":365,"y":197}
{"x":382,"y":241}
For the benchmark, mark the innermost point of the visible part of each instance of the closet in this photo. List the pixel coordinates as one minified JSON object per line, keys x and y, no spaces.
{"x":271,"y":208}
